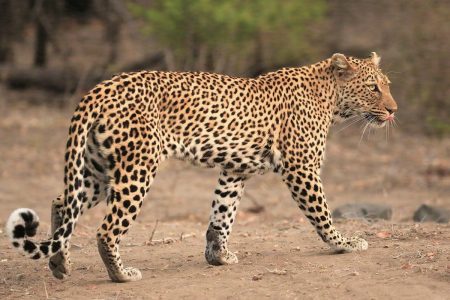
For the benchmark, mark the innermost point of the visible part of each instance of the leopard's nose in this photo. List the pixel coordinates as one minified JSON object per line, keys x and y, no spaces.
{"x":391,"y":110}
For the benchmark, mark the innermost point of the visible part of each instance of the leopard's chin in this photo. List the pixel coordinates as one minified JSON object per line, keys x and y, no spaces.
{"x":377,"y":125}
{"x":374,"y":120}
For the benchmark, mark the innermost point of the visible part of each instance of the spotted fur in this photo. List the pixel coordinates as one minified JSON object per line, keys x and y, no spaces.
{"x":125,"y":127}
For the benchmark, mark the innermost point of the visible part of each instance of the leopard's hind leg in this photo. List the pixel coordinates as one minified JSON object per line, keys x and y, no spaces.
{"x":95,"y":180}
{"x":133,"y":166}
{"x":59,"y":263}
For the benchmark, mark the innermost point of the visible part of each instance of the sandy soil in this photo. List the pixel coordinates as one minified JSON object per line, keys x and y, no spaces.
{"x":280,"y":255}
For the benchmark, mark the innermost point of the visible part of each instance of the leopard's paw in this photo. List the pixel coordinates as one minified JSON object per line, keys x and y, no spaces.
{"x":129,"y":274}
{"x":60,"y":265}
{"x":217,"y":257}
{"x":351,"y":245}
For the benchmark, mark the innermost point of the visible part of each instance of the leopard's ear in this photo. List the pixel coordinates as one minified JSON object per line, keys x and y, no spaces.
{"x":375,"y":59}
{"x":343,"y":70}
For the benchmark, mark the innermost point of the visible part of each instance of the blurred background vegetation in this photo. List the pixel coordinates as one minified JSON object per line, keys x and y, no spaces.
{"x":58,"y":49}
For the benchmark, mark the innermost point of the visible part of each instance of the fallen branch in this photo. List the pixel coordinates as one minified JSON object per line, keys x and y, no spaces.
{"x":68,"y":80}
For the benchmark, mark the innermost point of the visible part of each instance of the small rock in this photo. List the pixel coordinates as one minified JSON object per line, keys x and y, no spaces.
{"x":407,"y":266}
{"x":427,"y":213}
{"x":363,"y":211}
{"x":257,"y":277}
{"x":384,"y":234}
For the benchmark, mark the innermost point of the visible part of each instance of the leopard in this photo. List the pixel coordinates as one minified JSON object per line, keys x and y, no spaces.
{"x":125,"y":127}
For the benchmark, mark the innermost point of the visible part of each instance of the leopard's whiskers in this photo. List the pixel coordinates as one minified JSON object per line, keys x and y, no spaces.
{"x":352,"y":121}
{"x":369,"y":121}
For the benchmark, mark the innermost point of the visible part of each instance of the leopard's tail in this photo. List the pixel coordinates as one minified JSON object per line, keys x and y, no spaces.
{"x":23,"y":222}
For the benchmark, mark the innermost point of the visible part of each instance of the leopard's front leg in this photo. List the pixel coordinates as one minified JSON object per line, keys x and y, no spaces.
{"x":227,"y":196}
{"x":306,"y":189}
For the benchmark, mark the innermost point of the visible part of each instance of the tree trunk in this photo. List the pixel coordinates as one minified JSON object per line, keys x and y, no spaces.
{"x":6,"y":38}
{"x":40,"y":46}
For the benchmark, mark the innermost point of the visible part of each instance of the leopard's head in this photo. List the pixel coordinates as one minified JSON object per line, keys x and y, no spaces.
{"x":362,"y":90}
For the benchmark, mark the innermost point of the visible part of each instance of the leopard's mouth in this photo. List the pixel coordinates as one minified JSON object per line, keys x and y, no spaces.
{"x":374,"y":120}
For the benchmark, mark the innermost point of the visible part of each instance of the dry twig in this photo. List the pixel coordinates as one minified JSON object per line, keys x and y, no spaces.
{"x":153,"y":232}
{"x":45,"y":289}
{"x":277,"y":272}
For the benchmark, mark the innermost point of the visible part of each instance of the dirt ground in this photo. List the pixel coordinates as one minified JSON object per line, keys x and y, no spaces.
{"x":280,"y":255}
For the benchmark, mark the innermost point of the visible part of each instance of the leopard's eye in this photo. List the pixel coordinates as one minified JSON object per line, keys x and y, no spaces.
{"x":373,"y":87}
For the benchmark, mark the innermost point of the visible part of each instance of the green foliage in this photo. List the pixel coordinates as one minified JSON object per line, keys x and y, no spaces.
{"x":214,"y":31}
{"x":288,"y":24}
{"x":438,"y":127}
